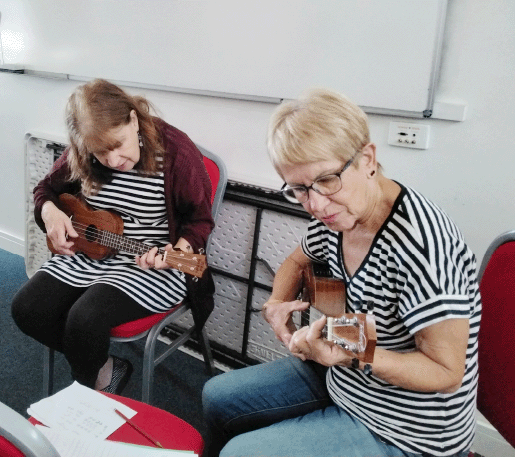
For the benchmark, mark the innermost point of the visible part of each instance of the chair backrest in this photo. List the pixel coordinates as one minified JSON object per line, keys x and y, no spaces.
{"x":217,"y":172}
{"x":18,"y":437}
{"x":496,"y":389}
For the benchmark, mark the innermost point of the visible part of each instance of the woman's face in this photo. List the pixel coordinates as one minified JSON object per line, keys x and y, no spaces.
{"x":342,"y":210}
{"x":126,"y":154}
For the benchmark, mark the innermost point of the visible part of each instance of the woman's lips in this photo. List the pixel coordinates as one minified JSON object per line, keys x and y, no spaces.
{"x":122,"y":166}
{"x":329,"y":219}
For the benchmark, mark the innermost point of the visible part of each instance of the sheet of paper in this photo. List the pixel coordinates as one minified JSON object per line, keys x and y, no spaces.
{"x":70,"y":445}
{"x":81,"y":411}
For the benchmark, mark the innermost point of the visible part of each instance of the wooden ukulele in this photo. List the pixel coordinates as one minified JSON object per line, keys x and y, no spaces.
{"x":356,"y":333}
{"x":100,"y":236}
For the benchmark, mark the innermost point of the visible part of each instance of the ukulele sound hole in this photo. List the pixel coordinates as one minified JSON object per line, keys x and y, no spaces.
{"x":91,"y":233}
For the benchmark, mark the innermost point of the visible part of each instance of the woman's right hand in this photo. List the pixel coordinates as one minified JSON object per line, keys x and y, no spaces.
{"x":59,"y":228}
{"x":279,"y":315}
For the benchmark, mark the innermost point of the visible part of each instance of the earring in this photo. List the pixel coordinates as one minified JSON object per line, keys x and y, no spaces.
{"x":140,"y":140}
{"x":94,"y":160}
{"x":372,"y":173}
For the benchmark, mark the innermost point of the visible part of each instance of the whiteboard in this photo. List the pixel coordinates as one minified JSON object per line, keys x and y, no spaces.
{"x":383,"y":54}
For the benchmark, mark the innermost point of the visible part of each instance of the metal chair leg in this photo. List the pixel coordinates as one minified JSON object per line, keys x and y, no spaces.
{"x":206,"y":351}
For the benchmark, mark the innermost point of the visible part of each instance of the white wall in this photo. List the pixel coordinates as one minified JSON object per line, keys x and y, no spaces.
{"x":469,"y":168}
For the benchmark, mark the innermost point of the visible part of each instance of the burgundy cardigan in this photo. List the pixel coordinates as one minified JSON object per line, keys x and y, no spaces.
{"x":187,"y":199}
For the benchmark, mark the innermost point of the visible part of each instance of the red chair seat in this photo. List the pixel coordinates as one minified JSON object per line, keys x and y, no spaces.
{"x":169,"y":430}
{"x":7,"y":449}
{"x":138,"y":326}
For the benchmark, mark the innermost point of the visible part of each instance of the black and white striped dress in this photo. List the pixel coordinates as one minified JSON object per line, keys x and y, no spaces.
{"x":140,"y":201}
{"x":418,"y":272}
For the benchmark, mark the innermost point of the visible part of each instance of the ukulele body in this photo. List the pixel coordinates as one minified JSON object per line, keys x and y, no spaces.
{"x":101,"y":235}
{"x":93,"y":222}
{"x":322,"y":291}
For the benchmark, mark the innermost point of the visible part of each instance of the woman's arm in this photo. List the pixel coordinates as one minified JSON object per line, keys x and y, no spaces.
{"x":51,"y":186}
{"x":55,"y":223}
{"x":277,"y":311}
{"x":437,"y":365}
{"x":59,"y":228}
{"x":187,"y":189}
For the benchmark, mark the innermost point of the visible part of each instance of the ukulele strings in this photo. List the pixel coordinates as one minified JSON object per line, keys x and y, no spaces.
{"x":113,"y":240}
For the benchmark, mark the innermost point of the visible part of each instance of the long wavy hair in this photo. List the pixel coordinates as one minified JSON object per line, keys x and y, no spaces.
{"x":92,"y":111}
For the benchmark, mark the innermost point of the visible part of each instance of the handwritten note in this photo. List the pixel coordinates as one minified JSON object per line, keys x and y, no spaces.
{"x":80,"y":411}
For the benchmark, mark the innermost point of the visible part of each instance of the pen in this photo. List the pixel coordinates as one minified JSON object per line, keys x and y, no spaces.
{"x":133,"y":425}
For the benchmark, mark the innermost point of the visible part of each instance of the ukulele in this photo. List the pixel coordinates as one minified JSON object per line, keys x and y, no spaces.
{"x":100,"y":236}
{"x":356,"y":333}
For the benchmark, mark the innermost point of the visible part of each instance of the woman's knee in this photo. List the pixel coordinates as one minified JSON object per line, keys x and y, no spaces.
{"x":215,"y":394}
{"x":36,"y":304}
{"x":85,"y":327}
{"x":23,"y":312}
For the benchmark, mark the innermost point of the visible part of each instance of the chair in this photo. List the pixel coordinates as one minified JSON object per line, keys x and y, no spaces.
{"x":18,"y":438}
{"x":169,"y":430}
{"x":151,"y":326}
{"x":496,"y":389}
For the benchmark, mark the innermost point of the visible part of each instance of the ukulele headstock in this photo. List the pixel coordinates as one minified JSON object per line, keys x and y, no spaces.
{"x":191,"y":264}
{"x":356,"y":333}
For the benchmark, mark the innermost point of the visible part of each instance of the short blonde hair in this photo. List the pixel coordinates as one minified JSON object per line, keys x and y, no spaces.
{"x":320,"y":125}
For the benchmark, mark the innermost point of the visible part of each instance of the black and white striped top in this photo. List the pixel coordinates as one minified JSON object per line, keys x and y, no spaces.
{"x":418,"y":272}
{"x":140,"y":201}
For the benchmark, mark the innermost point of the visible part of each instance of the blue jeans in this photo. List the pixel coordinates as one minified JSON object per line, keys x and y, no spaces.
{"x":283,"y":409}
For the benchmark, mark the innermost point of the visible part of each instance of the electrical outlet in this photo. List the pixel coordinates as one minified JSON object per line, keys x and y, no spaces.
{"x":408,"y":135}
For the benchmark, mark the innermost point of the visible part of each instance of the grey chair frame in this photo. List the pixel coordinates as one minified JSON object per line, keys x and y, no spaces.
{"x":150,"y":360}
{"x":23,"y":435}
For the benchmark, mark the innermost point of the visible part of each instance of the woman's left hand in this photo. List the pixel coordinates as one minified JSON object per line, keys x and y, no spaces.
{"x":152,"y":259}
{"x":308,"y":343}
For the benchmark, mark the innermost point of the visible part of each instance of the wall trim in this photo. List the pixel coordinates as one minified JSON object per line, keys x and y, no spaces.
{"x":12,"y":244}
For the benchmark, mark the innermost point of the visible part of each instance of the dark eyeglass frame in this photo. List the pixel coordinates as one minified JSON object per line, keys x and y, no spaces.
{"x":285,"y":188}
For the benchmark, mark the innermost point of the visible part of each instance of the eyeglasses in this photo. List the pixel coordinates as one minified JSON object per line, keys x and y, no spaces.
{"x":324,"y":185}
